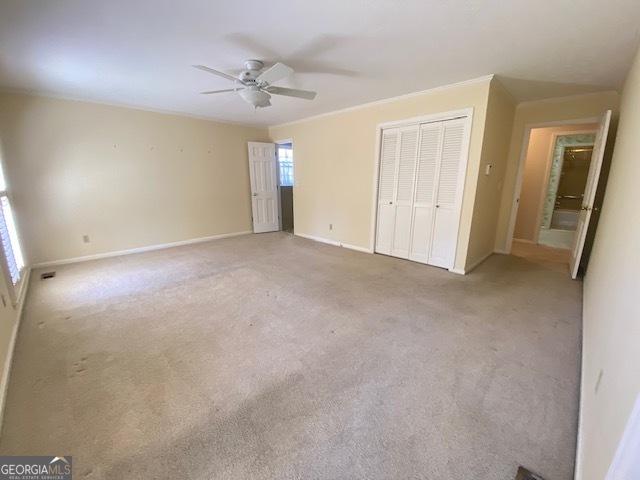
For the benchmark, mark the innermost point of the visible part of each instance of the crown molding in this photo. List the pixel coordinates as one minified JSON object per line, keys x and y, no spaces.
{"x":483,"y":79}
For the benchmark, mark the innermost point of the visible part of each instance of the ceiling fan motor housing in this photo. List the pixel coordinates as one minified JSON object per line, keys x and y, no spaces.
{"x":251,"y":72}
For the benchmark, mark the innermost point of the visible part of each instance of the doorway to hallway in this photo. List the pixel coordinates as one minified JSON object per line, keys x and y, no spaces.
{"x":284,"y":153}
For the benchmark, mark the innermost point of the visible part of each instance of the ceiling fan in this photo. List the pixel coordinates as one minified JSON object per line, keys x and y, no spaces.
{"x":254,"y":83}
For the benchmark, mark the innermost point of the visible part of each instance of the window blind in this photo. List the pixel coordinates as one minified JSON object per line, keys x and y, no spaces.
{"x":9,"y":239}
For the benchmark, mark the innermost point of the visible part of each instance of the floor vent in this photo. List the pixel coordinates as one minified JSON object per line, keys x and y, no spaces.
{"x":46,"y":275}
{"x":524,"y":474}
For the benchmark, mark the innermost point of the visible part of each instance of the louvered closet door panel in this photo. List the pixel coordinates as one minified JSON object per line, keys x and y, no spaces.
{"x":404,"y":191}
{"x":450,"y":177}
{"x":430,"y":144}
{"x":386,"y":189}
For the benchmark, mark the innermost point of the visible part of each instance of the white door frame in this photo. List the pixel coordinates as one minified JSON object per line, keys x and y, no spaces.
{"x":547,"y":172}
{"x":278,"y":143}
{"x":520,"y":172}
{"x":435,"y":117}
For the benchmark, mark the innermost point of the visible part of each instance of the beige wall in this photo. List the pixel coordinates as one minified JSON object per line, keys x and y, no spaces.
{"x":611,"y":311}
{"x":535,"y":113}
{"x":335,"y":163}
{"x":534,"y":180}
{"x":127,"y":178}
{"x":495,"y":147}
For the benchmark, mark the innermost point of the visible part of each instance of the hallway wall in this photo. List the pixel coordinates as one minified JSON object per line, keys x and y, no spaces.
{"x":611,"y":311}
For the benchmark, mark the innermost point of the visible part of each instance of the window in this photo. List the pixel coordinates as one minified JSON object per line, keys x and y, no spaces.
{"x":285,"y":162}
{"x":14,"y":263}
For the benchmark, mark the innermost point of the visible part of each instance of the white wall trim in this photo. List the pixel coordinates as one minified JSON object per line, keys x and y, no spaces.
{"x":520,"y":171}
{"x":483,"y":79}
{"x":138,"y":249}
{"x":477,"y":263}
{"x":6,"y":372}
{"x":335,"y":243}
{"x":472,"y":266}
{"x":458,"y":271}
{"x":525,"y":240}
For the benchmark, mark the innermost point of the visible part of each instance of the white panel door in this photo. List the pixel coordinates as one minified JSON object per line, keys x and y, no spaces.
{"x":590,"y":192}
{"x":450,"y":174}
{"x":403,"y":202}
{"x":430,"y":145}
{"x":264,"y":186}
{"x":386,"y":190}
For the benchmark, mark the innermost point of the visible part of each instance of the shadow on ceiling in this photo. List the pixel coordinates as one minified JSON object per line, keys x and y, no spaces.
{"x":302,"y":60}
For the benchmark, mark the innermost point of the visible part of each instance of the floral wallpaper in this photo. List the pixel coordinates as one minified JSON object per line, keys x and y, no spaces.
{"x":562,"y":141}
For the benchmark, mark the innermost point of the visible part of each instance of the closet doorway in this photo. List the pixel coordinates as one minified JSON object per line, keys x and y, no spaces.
{"x":422,"y":165}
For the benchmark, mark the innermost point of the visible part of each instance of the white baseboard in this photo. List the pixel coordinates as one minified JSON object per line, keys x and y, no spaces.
{"x":6,"y":371}
{"x":502,"y":251}
{"x":473,"y":265}
{"x":524,"y":240}
{"x":138,"y":249}
{"x":334,"y":243}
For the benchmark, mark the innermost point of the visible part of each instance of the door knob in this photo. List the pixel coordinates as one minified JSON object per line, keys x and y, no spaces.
{"x":255,"y":194}
{"x":390,"y":203}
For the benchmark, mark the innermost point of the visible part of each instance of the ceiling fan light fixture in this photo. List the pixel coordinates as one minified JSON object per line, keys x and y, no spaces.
{"x":256,"y":97}
{"x":255,"y":84}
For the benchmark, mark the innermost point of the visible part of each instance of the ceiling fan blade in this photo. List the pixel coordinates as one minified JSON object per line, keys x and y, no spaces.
{"x":221,"y":91}
{"x":275,"y":73}
{"x":216,"y":72}
{"x":292,"y":92}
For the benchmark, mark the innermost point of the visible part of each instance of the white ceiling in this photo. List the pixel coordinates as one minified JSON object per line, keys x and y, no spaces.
{"x":139,"y":52}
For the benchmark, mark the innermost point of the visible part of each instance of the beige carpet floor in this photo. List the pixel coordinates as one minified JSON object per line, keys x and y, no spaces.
{"x":557,"y":259}
{"x":274,"y":357}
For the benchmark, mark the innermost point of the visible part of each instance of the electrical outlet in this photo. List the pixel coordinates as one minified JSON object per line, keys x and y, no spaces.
{"x":86,"y":239}
{"x":487,"y":169}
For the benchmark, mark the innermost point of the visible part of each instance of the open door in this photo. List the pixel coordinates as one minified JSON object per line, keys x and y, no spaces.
{"x":264,"y":187}
{"x":590,"y":192}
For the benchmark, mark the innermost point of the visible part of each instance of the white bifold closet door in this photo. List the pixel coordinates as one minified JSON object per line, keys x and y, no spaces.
{"x":419,"y":195}
{"x":395,"y":197}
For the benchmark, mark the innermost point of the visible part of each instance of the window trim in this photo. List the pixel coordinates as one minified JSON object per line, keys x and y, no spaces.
{"x":16,"y":291}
